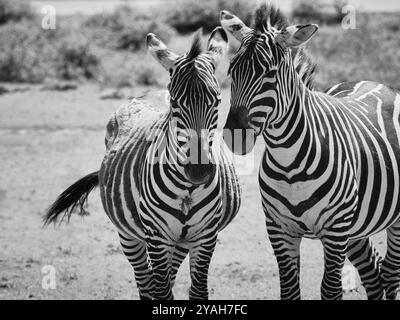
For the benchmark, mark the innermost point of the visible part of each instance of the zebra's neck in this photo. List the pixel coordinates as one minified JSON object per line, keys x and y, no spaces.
{"x":288,"y":123}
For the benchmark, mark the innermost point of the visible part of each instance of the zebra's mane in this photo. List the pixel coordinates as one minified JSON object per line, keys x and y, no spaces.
{"x":305,"y":67}
{"x":196,"y":48}
{"x":268,"y":14}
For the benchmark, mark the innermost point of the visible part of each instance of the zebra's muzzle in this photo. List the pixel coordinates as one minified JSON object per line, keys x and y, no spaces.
{"x":198,"y":174}
{"x":238,"y":134}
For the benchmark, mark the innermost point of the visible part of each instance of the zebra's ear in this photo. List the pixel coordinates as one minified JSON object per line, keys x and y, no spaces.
{"x":295,"y":36}
{"x":233,"y":25}
{"x":217,"y":44}
{"x":160,"y":51}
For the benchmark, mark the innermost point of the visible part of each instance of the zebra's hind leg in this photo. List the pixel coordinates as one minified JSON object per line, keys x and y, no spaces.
{"x":390,"y":269}
{"x":363,"y":255}
{"x":287,"y":253}
{"x":200,"y":258}
{"x":136,"y":252}
{"x":335,"y":248}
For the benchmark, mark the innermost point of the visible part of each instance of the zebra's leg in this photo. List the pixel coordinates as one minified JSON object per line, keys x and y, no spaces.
{"x":363,"y":255}
{"x":335,"y":248}
{"x":178,"y":256}
{"x":200,"y":258}
{"x":390,"y":269}
{"x":160,"y":254}
{"x":136,"y":252}
{"x":287,"y":252}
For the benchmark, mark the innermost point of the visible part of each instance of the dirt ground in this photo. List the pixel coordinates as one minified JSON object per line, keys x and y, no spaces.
{"x":50,"y":139}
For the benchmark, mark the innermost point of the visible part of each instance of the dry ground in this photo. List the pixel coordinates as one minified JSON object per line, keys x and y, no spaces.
{"x":50,"y":139}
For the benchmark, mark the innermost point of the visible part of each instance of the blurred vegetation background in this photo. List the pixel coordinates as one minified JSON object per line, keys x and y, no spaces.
{"x":109,"y":48}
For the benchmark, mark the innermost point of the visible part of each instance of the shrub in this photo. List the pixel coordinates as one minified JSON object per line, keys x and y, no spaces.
{"x":194,"y":14}
{"x":124,"y":68}
{"x":30,"y":54}
{"x":76,"y":58}
{"x":24,"y":53}
{"x":355,"y":55}
{"x":125,"y":29}
{"x":323,"y":12}
{"x":15,"y":10}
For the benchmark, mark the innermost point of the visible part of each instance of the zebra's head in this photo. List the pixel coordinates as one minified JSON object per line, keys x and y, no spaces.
{"x":258,"y":56}
{"x":194,"y":98}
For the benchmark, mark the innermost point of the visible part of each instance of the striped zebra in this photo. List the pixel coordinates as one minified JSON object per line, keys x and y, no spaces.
{"x":167,"y":182}
{"x":331,"y":165}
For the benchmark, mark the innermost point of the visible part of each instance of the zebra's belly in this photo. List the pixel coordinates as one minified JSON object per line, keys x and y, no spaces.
{"x":378,"y":207}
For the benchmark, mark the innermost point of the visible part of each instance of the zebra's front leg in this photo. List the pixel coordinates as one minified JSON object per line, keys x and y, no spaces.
{"x":178,"y":256}
{"x":136,"y":252}
{"x":335,"y":248}
{"x":200,"y":258}
{"x":160,"y":254}
{"x":287,"y":254}
{"x":390,"y":269}
{"x":363,"y":255}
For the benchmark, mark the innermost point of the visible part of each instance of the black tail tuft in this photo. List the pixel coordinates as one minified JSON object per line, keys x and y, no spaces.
{"x":75,"y":195}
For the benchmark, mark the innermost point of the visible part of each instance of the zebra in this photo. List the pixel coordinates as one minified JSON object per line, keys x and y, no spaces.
{"x":330,"y":169}
{"x":167,"y":182}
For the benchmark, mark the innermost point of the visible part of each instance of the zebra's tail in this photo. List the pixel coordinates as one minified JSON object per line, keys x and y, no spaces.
{"x":73,"y":197}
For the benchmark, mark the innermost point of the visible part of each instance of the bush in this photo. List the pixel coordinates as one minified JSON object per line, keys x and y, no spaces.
{"x":76,"y":58}
{"x":124,"y":68}
{"x":322,"y":12}
{"x":355,"y":55}
{"x":24,"y":53}
{"x":194,"y":14}
{"x":15,"y":10}
{"x":30,"y":54}
{"x":125,"y":29}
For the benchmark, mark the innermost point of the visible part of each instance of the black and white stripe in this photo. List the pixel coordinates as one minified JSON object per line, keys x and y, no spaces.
{"x":331,"y":165}
{"x":163,"y":207}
